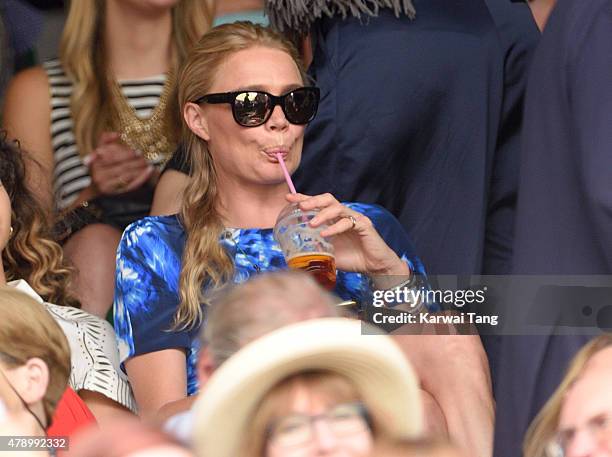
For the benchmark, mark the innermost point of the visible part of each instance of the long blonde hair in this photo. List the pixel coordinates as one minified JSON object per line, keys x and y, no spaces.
{"x":204,"y":259}
{"x":544,"y":426}
{"x":83,"y":58}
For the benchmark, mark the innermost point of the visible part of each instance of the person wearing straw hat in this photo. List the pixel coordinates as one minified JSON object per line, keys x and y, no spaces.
{"x":251,"y":310}
{"x":314,"y":388}
{"x":234,"y":134}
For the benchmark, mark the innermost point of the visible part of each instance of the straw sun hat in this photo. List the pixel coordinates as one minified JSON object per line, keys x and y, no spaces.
{"x":374,"y":363}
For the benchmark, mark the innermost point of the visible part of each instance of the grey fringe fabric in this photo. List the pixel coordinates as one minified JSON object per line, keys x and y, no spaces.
{"x":298,"y":15}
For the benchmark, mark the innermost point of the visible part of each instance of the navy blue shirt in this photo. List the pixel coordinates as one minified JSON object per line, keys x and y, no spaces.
{"x":421,"y":116}
{"x":564,"y":212}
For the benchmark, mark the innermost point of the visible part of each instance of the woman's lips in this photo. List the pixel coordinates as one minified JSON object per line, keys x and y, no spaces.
{"x":273,"y":153}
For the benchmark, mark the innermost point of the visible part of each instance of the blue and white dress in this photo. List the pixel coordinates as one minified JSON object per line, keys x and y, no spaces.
{"x":149,"y":265}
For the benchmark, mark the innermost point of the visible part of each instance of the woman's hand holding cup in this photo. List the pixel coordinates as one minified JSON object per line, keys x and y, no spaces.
{"x":357,"y":245}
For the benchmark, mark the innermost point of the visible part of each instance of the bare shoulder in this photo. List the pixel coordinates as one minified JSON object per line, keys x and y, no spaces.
{"x":27,"y":110}
{"x":30,"y":84}
{"x":26,"y":117}
{"x":27,"y":102}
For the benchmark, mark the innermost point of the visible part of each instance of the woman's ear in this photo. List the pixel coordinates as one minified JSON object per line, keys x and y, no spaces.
{"x":6,"y":216}
{"x":35,"y":380}
{"x":196,"y":120}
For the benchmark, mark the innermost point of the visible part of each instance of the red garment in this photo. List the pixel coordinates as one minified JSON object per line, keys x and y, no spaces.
{"x":70,"y":415}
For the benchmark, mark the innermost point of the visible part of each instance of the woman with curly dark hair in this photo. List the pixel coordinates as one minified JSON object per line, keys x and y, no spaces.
{"x":34,"y":264}
{"x":29,"y":251}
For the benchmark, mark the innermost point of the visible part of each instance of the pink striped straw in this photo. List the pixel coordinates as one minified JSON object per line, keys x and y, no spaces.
{"x":279,"y":156}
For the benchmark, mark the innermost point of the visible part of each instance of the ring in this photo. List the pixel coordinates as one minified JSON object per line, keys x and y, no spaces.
{"x":353,"y":221}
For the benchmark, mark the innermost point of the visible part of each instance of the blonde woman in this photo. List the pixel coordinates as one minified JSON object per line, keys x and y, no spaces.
{"x":33,"y":263}
{"x":224,"y":231}
{"x":542,"y":437}
{"x":94,"y":119}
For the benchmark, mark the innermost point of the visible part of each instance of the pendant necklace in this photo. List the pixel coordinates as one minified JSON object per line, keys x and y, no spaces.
{"x":228,"y":235}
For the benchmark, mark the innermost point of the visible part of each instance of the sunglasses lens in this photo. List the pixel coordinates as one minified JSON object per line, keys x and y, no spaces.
{"x":251,"y":108}
{"x":301,"y":105}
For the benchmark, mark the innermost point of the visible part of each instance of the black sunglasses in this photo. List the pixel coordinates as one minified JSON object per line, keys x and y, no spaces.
{"x":252,"y":108}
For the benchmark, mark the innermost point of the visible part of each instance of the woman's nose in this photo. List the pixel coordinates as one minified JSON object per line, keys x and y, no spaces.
{"x":325,"y":439}
{"x":277,"y":120}
{"x":582,"y":445}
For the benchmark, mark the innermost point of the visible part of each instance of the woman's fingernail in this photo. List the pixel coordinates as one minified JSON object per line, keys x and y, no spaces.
{"x":87,"y":160}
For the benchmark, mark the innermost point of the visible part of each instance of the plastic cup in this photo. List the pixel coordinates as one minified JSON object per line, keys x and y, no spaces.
{"x":303,"y":246}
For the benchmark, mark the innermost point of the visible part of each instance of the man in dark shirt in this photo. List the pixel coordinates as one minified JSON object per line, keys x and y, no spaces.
{"x":564,"y":212}
{"x":422,"y":117}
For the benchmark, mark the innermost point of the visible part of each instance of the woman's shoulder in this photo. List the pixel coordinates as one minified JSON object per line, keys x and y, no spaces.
{"x":151,"y":235}
{"x":68,"y":314}
{"x":31,"y":78}
{"x":33,"y":82}
{"x":159,"y":226}
{"x":75,"y":316}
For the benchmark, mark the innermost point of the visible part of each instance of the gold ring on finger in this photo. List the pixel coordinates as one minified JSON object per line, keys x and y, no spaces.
{"x":353,"y":221}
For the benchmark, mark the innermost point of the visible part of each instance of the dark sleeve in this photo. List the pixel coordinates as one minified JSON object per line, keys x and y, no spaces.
{"x":179,"y":161}
{"x":518,"y":36}
{"x":590,"y":93}
{"x":146,"y":296}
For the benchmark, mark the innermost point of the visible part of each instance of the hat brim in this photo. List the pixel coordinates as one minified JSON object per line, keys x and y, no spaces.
{"x":374,"y":363}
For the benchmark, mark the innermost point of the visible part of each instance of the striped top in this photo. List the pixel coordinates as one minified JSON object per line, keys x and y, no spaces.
{"x":70,"y":175}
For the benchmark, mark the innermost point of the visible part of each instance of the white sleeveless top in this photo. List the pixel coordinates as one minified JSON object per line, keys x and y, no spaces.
{"x":94,"y":355}
{"x":70,"y":175}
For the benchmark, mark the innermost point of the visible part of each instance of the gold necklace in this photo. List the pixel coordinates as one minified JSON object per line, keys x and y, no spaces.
{"x":152,"y":135}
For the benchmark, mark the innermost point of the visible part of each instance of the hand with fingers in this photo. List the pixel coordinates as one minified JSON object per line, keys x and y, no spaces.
{"x":116,"y":168}
{"x":357,"y":245}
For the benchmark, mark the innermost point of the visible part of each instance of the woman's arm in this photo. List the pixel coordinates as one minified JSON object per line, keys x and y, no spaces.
{"x":153,"y":353}
{"x":157,"y":378}
{"x":169,"y":193}
{"x":27,"y":118}
{"x":103,"y":408}
{"x":453,"y":369}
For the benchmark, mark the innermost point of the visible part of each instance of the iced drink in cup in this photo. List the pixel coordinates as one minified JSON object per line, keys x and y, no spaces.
{"x":303,"y":246}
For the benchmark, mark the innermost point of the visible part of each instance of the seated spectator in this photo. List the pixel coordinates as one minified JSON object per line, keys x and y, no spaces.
{"x":224,"y":232}
{"x":33,"y":263}
{"x":172,"y":182}
{"x":127,"y":438}
{"x":95,"y":121}
{"x":241,"y":314}
{"x":577,"y":420}
{"x":313,"y":388}
{"x":252,"y":309}
{"x":34,"y":358}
